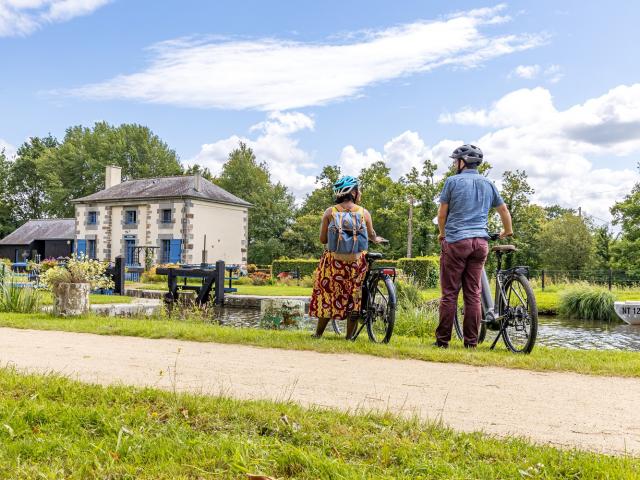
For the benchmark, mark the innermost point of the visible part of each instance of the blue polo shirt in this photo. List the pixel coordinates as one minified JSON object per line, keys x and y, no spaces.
{"x":470,"y":196}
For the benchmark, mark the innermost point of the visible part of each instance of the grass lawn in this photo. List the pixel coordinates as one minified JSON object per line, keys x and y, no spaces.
{"x":612,"y":363}
{"x":53,"y":427}
{"x":47,"y":299}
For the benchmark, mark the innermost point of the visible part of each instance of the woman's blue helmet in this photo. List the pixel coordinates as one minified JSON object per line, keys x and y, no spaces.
{"x":344,"y":185}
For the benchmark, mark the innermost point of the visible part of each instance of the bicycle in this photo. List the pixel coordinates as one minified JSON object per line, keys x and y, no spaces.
{"x":378,"y":305}
{"x":516,"y":316}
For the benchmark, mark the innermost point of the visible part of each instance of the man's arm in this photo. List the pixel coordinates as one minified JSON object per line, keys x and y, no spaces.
{"x":505,"y":216}
{"x":443,"y":211}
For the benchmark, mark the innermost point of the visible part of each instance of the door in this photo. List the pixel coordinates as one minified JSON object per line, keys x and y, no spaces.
{"x":129,"y":248}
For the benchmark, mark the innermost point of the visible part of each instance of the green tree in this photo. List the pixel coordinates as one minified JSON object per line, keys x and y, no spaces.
{"x":567,"y":244}
{"x":603,"y":241}
{"x":554,"y":211}
{"x":77,"y":166}
{"x":7,"y":218}
{"x":302,"y":238}
{"x":527,"y":219}
{"x":31,"y":182}
{"x":203,"y":171}
{"x":322,"y":197}
{"x":273,"y":205}
{"x":626,"y":214}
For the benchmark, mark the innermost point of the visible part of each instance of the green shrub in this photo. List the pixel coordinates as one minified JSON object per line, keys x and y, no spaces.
{"x":418,"y":322}
{"x":304,"y":266}
{"x":423,"y":270}
{"x":587,"y":302}
{"x":17,"y":299}
{"x":408,"y":293}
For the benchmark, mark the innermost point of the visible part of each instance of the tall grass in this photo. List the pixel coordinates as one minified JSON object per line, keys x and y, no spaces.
{"x":415,"y":317}
{"x":14,"y":298}
{"x":587,"y":302}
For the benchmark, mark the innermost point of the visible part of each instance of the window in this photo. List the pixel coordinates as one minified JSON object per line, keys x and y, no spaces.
{"x":165,"y":251}
{"x":165,"y":215}
{"x":92,"y":218}
{"x":91,"y":249}
{"x":131,"y":217}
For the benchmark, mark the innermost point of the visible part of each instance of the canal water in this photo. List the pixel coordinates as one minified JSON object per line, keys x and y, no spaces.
{"x":552,"y":331}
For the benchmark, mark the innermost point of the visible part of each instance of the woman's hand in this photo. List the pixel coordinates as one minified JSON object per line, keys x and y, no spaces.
{"x":378,"y":239}
{"x":505,"y":234}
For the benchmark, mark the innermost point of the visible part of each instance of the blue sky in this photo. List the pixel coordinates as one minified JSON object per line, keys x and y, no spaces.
{"x":546,"y":86}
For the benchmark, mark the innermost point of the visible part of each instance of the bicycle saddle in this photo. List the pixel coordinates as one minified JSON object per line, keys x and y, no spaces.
{"x":375,"y":255}
{"x":504,"y":248}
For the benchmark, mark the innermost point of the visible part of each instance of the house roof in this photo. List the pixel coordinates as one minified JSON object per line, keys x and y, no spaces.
{"x":164,"y":187}
{"x":46,"y":229}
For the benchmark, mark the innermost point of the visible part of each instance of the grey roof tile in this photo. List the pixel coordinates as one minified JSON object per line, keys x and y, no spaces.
{"x":46,"y":229}
{"x":164,"y":187}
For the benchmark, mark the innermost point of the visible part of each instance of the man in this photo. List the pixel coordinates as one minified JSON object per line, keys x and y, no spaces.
{"x":462,"y":220}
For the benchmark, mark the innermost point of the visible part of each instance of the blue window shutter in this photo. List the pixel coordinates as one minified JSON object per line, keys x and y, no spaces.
{"x":175,"y":251}
{"x":81,"y":247}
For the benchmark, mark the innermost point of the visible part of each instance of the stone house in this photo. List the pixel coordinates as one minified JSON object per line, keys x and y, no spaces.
{"x":184,"y":219}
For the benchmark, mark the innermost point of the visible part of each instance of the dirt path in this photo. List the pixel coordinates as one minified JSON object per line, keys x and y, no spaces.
{"x":594,"y":413}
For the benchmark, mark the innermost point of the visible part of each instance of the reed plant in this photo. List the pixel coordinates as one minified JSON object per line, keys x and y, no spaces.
{"x":587,"y":302}
{"x":18,"y":299}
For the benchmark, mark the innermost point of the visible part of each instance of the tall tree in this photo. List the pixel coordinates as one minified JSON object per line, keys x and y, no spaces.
{"x":78,"y":164}
{"x":31,"y":180}
{"x":7,"y":219}
{"x":273,"y":204}
{"x":626,"y":214}
{"x":603,"y":240}
{"x":567,"y":244}
{"x":322,"y":197}
{"x":527,"y":219}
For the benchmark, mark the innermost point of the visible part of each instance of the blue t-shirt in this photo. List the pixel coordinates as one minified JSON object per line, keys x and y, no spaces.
{"x":470,"y":196}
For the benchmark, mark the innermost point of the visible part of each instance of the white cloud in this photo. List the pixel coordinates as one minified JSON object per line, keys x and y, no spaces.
{"x":551,"y":74}
{"x":9,"y":150}
{"x":526,"y":71}
{"x":274,"y":74}
{"x":555,"y":147}
{"x":401,"y":153}
{"x":287,"y":162}
{"x":22,"y":17}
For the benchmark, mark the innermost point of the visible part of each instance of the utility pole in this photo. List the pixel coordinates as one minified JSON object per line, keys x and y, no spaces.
{"x":410,"y":228}
{"x":580,"y":212}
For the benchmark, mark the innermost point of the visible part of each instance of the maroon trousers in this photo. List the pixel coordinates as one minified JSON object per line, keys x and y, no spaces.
{"x":461,"y":264}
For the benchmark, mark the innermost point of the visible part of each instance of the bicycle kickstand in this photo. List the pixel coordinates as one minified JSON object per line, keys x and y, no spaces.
{"x":503,"y":327}
{"x":358,"y":330}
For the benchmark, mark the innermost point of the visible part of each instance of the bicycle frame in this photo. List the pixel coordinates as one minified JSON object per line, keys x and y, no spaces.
{"x":491,"y":316}
{"x":372,"y":274}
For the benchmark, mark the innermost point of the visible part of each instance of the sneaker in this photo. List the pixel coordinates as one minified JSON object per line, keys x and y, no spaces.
{"x":467,"y":345}
{"x":439,"y":345}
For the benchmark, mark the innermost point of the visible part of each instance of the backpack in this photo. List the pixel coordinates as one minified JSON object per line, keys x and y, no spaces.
{"x":347,"y":231}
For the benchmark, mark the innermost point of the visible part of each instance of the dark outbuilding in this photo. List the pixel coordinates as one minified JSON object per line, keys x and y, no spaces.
{"x":49,"y":238}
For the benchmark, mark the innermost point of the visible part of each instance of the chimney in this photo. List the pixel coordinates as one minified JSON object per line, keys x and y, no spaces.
{"x":197,"y":182}
{"x":112,"y":176}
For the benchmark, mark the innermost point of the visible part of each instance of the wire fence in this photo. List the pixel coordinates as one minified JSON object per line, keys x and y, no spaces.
{"x":609,"y":278}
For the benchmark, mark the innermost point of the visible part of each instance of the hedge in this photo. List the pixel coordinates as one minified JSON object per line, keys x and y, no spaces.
{"x":424,"y":270}
{"x":306,"y":266}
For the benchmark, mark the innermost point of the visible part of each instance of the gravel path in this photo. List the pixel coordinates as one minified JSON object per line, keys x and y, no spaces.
{"x":593,"y":413}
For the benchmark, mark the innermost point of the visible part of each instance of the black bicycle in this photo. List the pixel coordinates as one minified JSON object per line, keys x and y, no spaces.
{"x":513,"y":312}
{"x":378,"y":306}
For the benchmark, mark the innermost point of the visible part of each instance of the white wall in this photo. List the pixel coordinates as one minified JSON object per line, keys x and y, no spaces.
{"x":225,"y":227}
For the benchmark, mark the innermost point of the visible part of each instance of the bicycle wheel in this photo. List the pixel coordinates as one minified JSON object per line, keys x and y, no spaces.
{"x":381,"y":309}
{"x":520,"y":311}
{"x":457,"y":325}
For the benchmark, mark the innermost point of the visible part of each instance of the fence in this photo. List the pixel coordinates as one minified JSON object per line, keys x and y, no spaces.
{"x":610,"y":278}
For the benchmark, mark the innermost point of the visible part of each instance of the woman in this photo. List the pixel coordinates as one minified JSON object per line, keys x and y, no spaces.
{"x":345,"y":230}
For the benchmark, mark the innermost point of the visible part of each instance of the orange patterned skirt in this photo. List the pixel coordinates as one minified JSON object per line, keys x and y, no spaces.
{"x":337,"y":290}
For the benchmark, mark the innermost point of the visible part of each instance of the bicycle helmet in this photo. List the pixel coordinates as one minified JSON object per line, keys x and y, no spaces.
{"x":470,"y":154}
{"x":344,"y":185}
